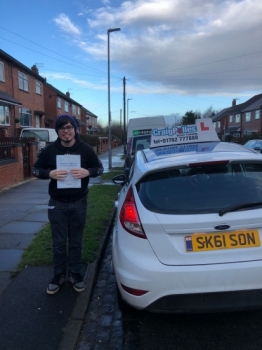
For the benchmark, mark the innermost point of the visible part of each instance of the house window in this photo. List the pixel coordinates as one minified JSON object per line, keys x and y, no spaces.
{"x":4,"y":115}
{"x":38,"y":87}
{"x":230,"y":118}
{"x":248,"y":116}
{"x":2,"y":72}
{"x":73,"y":109}
{"x":257,"y":114}
{"x":23,"y":81}
{"x":237,"y":116}
{"x":78,"y":110}
{"x":25,"y":116}
{"x":58,"y":102}
{"x":218,"y":124}
{"x":66,"y":106}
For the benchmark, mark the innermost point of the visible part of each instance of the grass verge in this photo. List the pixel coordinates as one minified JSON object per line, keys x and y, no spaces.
{"x":101,"y":200}
{"x":115,"y":171}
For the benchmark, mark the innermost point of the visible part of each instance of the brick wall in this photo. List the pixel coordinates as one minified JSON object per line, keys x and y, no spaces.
{"x":11,"y":171}
{"x":253,"y":124}
{"x":29,"y":99}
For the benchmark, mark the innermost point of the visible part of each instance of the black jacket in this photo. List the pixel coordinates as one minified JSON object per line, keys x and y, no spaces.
{"x":46,"y":162}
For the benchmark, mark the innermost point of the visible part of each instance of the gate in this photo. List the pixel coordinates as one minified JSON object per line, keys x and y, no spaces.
{"x":26,"y":157}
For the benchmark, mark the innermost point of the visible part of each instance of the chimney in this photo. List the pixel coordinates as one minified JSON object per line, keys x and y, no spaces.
{"x":234,"y":102}
{"x":35,"y":69}
{"x":68,"y":94}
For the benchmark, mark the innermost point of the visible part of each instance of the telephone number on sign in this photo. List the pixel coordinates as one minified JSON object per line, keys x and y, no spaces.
{"x":177,"y":139}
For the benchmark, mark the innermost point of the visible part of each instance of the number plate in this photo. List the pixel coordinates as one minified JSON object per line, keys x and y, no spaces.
{"x":200,"y":242}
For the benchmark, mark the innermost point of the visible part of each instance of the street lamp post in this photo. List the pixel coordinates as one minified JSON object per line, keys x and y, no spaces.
{"x":110,"y":30}
{"x":127,"y":107}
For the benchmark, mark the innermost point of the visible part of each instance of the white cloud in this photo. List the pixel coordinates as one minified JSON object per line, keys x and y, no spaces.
{"x":189,"y":46}
{"x":66,"y":25}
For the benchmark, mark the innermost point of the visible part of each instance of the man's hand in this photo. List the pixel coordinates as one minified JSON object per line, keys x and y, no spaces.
{"x":58,"y":174}
{"x":79,"y":173}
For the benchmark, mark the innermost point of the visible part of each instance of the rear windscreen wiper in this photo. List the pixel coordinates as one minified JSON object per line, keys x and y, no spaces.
{"x":239,"y":206}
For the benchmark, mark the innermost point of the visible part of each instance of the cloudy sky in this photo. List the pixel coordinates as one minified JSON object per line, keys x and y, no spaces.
{"x":176,"y":55}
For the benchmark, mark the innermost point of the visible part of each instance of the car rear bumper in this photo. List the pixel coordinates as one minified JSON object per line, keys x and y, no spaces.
{"x":208,"y":302}
{"x":195,"y":288}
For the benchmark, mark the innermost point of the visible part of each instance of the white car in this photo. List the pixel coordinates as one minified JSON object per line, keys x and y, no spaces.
{"x":189,"y":228}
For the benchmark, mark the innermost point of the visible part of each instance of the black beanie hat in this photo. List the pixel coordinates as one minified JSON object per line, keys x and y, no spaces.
{"x":71,"y":119}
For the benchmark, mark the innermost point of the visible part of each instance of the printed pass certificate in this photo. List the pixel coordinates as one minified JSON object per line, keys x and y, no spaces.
{"x":68,"y":162}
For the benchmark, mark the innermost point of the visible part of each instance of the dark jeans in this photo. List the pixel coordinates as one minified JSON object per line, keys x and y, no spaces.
{"x":67,"y":221}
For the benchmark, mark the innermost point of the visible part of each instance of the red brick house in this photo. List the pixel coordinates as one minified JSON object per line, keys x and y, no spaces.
{"x":91,"y":121}
{"x":26,"y":99}
{"x":22,"y":99}
{"x":239,"y":120}
{"x":57,"y":103}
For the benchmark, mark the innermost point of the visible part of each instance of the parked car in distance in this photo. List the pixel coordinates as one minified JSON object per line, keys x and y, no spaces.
{"x":255,"y":145}
{"x":135,"y":144}
{"x":188,"y":229}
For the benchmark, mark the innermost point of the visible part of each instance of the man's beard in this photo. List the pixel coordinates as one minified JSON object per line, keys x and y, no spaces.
{"x":67,"y":141}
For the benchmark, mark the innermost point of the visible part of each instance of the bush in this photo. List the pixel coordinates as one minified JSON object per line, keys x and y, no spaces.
{"x":91,"y":140}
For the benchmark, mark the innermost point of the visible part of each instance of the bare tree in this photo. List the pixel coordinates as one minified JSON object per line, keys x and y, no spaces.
{"x":209,"y":112}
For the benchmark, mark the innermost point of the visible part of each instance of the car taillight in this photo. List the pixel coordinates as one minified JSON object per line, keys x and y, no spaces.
{"x":133,"y":291}
{"x":129,"y":217}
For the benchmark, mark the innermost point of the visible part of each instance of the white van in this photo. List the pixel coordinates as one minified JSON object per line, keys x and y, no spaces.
{"x":143,"y":126}
{"x":43,"y":135}
{"x":138,"y":136}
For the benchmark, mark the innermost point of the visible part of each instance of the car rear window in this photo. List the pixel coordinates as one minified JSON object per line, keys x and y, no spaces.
{"x":201,"y":188}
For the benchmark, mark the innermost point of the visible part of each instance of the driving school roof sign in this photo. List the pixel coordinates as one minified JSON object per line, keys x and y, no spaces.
{"x":202,"y":131}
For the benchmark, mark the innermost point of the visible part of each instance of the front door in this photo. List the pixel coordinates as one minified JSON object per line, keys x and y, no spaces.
{"x":37,"y":121}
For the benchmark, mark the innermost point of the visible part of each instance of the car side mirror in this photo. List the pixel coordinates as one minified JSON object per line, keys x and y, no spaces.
{"x":119,"y":179}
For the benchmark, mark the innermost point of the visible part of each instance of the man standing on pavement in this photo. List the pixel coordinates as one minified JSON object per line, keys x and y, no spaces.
{"x":68,"y":162}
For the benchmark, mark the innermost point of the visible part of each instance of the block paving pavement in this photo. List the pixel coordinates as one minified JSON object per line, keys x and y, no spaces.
{"x":103,"y":324}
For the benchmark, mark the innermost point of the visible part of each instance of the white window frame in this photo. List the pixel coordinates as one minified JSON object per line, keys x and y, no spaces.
{"x":257,"y":114}
{"x":66,"y":106}
{"x":78,"y":110}
{"x":218,"y":124}
{"x":27,"y":112}
{"x":237,"y":118}
{"x":23,"y":81}
{"x":73,"y":109}
{"x":38,"y":87}
{"x":2,"y":71}
{"x":4,"y":115}
{"x":248,"y":116}
{"x":59,"y":103}
{"x":230,"y":118}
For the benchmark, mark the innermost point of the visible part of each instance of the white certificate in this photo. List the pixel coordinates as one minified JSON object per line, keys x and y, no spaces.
{"x":68,"y":162}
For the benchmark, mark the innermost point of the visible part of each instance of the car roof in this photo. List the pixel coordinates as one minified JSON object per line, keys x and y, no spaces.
{"x":165,"y":157}
{"x":254,"y":140}
{"x":203,"y":150}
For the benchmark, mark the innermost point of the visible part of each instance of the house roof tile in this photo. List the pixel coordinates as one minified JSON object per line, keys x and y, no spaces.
{"x":6,"y":98}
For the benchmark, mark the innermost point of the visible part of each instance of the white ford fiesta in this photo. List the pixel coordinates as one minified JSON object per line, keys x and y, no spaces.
{"x":188,"y":229}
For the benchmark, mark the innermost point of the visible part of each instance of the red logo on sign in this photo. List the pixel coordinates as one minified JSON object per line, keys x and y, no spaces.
{"x":203,"y":127}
